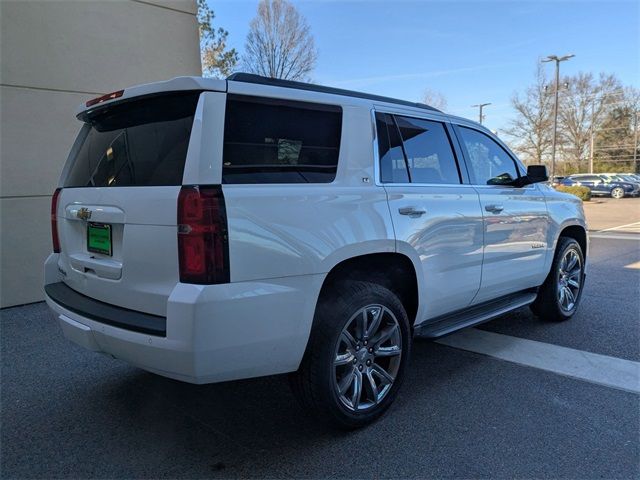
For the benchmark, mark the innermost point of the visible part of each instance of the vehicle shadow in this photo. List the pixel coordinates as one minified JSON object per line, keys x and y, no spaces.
{"x":232,"y":427}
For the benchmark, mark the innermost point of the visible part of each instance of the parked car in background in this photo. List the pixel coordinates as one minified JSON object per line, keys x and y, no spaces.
{"x":211,"y":230}
{"x":603,"y":185}
{"x":621,"y":177}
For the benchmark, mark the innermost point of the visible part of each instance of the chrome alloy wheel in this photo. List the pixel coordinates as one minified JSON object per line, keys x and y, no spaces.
{"x":617,"y":193}
{"x":367,"y":357}
{"x":569,"y":280}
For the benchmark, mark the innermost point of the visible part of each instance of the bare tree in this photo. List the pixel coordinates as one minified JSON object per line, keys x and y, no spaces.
{"x":217,"y":59}
{"x":583,"y":105}
{"x":530,"y":130}
{"x":279,"y":43}
{"x":435,"y":99}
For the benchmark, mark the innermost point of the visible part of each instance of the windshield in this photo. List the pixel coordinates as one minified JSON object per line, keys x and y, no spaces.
{"x":138,"y":143}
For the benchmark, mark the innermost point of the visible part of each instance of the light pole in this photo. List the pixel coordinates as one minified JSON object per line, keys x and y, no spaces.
{"x":555,"y":58}
{"x":480,"y":106}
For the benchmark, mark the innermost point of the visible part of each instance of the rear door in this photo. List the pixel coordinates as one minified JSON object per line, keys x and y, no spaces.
{"x":117,"y":208}
{"x":516,"y":222}
{"x":433,"y":212}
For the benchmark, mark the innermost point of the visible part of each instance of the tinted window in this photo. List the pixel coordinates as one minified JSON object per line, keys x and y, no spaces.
{"x":490,"y":163}
{"x":428,"y":150}
{"x":137,"y":143}
{"x":393,"y":167}
{"x":277,"y":141}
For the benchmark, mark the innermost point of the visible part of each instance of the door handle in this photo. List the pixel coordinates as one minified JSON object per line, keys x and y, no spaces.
{"x":411,"y":211}
{"x":494,"y":208}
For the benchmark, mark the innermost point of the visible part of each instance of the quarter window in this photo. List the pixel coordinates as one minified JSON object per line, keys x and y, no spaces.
{"x":393,"y":166}
{"x":490,"y":164}
{"x":279,"y":141}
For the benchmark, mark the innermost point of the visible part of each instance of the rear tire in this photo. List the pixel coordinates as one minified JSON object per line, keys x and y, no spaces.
{"x":617,"y":193}
{"x":356,"y":357}
{"x":559,"y":296}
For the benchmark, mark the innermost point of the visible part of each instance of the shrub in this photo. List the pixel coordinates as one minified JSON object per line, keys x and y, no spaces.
{"x":583,"y":193}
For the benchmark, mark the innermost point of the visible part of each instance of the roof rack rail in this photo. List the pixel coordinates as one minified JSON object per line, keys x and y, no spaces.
{"x":276,"y":82}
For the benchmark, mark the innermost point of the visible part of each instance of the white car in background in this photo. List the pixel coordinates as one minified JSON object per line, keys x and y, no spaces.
{"x":210,"y":230}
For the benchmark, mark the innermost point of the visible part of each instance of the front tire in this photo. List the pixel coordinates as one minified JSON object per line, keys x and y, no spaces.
{"x":560,"y":294}
{"x":617,"y":193}
{"x":356,"y":357}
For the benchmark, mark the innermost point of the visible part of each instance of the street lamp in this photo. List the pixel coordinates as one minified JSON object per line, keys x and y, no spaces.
{"x":480,"y":106}
{"x":555,"y":58}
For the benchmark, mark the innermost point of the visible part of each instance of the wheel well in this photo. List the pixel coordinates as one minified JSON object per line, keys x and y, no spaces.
{"x":391,"y":270}
{"x":578,"y":234}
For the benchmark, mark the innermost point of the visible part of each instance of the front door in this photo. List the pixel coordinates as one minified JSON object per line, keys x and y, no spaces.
{"x":515,"y":219}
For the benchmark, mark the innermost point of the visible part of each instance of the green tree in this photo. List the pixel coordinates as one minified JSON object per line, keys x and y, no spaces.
{"x":217,"y":59}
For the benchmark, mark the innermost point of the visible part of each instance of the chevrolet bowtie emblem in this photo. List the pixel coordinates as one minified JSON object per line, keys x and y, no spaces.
{"x":83,"y":213}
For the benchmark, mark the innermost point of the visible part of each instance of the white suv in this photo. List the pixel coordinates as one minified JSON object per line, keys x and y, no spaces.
{"x":210,"y":230}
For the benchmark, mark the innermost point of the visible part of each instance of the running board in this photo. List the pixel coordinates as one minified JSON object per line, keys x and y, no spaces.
{"x":468,"y":317}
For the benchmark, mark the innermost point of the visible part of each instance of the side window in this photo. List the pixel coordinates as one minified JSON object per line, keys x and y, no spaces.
{"x":490,"y":164}
{"x":278,"y":141}
{"x":429,"y":155}
{"x":393,"y":168}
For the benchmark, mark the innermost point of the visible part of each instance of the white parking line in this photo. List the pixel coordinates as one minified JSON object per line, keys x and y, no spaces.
{"x":591,"y":367}
{"x":616,"y":236}
{"x":619,"y":227}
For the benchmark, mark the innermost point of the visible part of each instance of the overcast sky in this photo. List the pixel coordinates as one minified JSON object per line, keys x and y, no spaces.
{"x":471,"y":52}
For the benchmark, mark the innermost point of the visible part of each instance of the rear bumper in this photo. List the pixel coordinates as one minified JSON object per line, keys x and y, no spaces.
{"x":102,"y":312}
{"x":213,"y":333}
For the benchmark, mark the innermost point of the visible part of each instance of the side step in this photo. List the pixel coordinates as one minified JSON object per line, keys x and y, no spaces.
{"x":445,"y":324}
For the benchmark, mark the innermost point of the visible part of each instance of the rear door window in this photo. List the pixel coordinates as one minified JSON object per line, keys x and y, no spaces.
{"x":136,"y":143}
{"x":428,"y":150}
{"x":280,"y":141}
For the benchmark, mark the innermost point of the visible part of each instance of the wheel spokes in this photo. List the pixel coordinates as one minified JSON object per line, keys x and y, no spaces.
{"x":343,"y":359}
{"x":388,"y":351}
{"x":357,"y":389}
{"x":373,"y":387}
{"x":571,"y":299}
{"x":347,"y":338}
{"x":572,"y":261}
{"x":346,"y":382}
{"x":573,"y":282}
{"x":367,"y":357}
{"x":374,"y":316}
{"x":384,"y":335}
{"x":385,"y":376}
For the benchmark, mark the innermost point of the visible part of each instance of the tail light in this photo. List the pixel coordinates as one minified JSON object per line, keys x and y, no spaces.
{"x":203,"y":248}
{"x":54,"y":221}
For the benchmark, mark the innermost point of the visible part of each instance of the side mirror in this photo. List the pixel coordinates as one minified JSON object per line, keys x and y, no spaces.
{"x":536,"y":174}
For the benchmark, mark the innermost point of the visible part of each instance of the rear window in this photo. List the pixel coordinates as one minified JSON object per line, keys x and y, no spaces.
{"x":280,"y":141}
{"x":138,"y":143}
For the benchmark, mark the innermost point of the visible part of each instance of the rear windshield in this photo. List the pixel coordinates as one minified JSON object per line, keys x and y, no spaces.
{"x":137,"y":143}
{"x":280,"y":141}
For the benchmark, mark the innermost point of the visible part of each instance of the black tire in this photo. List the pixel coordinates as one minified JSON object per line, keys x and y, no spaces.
{"x":315,"y":383}
{"x":548,"y":304}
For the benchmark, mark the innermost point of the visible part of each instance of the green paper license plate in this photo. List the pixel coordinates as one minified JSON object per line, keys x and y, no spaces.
{"x":99,"y":238}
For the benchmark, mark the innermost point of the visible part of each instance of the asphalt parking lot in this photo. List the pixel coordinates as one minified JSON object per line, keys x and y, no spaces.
{"x":69,"y":413}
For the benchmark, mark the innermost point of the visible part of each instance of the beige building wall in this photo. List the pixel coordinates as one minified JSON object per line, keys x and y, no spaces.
{"x":56,"y":55}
